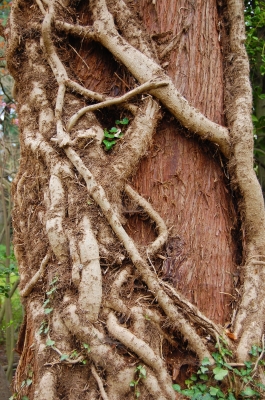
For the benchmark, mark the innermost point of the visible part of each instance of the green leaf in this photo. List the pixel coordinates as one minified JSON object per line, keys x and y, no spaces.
{"x":219,"y":373}
{"x":64,"y":357}
{"x":46,"y":302}
{"x":203,"y":377}
{"x":133,"y":383}
{"x":188,"y":392}
{"x":87,"y":347}
{"x":109,"y":145}
{"x":109,"y":135}
{"x":54,"y":281}
{"x":231,"y":397}
{"x":50,"y":342}
{"x":142,"y":371}
{"x":124,"y":121}
{"x":48,"y":310}
{"x":261,"y":386}
{"x":206,"y":361}
{"x":193,"y":378}
{"x":203,"y":369}
{"x":51,"y":291}
{"x":28,"y":382}
{"x":113,"y":129}
{"x":248,"y":364}
{"x":84,"y":362}
{"x":213,"y":391}
{"x":248,"y":392}
{"x":177,"y":388}
{"x":254,"y":119}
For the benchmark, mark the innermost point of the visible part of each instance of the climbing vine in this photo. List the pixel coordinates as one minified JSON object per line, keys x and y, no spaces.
{"x":75,"y":188}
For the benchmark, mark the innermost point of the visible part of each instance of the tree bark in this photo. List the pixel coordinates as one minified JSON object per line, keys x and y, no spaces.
{"x":140,"y":256}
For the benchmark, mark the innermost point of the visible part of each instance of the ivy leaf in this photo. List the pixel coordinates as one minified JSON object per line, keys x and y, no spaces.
{"x":109,"y":145}
{"x":248,"y":392}
{"x":205,"y":361}
{"x":54,"y":281}
{"x":213,"y":391}
{"x":261,"y":386}
{"x":231,"y":397}
{"x":219,"y":373}
{"x":108,"y":135}
{"x":113,"y":129}
{"x":203,"y":377}
{"x":51,"y":291}
{"x":48,"y":310}
{"x":177,"y":388}
{"x":124,"y":121}
{"x":64,"y":357}
{"x":188,"y":392}
{"x":87,"y":347}
{"x":50,"y":342}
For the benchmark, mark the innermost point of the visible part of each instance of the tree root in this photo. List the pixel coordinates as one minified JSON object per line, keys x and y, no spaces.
{"x":139,"y":347}
{"x":99,"y":382}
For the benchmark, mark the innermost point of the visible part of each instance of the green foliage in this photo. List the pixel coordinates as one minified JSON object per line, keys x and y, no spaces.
{"x":255,"y":46}
{"x":111,"y":136}
{"x":254,"y":21}
{"x":212,"y":383}
{"x":5,"y":271}
{"x":5,"y":286}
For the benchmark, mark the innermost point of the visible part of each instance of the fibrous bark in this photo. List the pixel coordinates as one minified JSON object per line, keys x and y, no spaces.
{"x":97,"y":301}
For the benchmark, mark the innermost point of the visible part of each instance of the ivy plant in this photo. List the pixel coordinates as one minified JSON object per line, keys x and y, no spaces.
{"x":210,"y":383}
{"x":112,"y":135}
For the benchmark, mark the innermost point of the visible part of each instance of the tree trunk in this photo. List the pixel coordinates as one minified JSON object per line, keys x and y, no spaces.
{"x":136,"y":245}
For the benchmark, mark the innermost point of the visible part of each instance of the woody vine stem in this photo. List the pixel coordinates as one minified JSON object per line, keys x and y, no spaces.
{"x":76,"y":127}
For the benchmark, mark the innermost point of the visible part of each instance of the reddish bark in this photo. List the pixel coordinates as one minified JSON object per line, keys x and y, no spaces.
{"x":184,"y":183}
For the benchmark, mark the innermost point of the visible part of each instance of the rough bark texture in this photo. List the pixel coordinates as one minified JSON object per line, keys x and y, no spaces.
{"x":130,"y":257}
